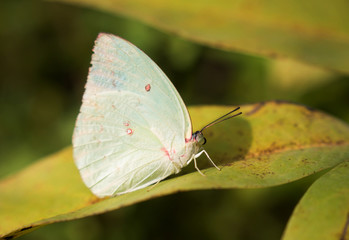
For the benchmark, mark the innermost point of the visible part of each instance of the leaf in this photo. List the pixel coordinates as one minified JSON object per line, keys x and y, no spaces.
{"x":323,"y":212}
{"x":297,"y":79}
{"x":270,"y":144}
{"x":315,"y":32}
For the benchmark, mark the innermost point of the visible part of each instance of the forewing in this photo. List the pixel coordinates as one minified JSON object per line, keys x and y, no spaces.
{"x":131,"y":116}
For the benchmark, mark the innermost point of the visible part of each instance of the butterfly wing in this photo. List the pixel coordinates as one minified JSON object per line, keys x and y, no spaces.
{"x":130,"y":118}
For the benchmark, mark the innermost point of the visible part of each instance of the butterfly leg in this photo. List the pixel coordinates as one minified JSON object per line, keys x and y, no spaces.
{"x":196,"y":166}
{"x":198,"y":155}
{"x":203,"y":151}
{"x":210,"y":159}
{"x":193,"y":157}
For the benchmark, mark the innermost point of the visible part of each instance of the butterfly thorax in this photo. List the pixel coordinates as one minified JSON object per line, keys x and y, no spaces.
{"x":192,"y":147}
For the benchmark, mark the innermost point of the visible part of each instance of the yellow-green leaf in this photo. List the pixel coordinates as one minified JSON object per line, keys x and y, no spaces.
{"x":270,"y":144}
{"x":311,"y":31}
{"x":323,"y":212}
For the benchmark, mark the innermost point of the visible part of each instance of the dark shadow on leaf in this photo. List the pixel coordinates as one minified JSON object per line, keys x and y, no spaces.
{"x":226,"y":142}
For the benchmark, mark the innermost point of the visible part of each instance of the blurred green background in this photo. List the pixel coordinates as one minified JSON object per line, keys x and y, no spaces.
{"x":45,"y":52}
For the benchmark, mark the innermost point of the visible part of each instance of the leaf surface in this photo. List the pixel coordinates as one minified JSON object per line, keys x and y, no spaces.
{"x":323,"y":212}
{"x":314,"y":32}
{"x":272,"y":143}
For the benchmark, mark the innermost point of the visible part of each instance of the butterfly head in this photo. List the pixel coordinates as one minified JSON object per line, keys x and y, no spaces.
{"x":199,"y":137}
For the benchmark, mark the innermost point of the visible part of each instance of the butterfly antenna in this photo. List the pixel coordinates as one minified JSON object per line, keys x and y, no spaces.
{"x":221,"y":119}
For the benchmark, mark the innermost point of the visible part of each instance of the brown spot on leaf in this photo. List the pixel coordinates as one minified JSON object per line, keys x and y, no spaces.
{"x":9,"y":237}
{"x":95,"y":200}
{"x":25,"y":228}
{"x":345,"y":229}
{"x":240,"y":133}
{"x":255,"y":109}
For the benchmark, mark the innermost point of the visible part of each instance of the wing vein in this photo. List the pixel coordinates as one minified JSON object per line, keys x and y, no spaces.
{"x":141,"y":166}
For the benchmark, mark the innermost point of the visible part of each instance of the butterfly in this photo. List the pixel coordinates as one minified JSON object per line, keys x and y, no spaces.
{"x":133,"y":129}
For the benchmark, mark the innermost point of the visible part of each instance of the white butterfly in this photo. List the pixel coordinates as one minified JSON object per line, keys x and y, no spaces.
{"x":133,"y":129}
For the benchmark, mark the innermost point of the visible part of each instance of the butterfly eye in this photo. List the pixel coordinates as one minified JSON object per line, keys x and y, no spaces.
{"x":199,"y":137}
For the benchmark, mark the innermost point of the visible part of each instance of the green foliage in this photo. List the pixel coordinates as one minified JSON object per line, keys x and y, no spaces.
{"x":260,"y":159}
{"x":314,"y":32}
{"x":323,"y":212}
{"x":46,"y":51}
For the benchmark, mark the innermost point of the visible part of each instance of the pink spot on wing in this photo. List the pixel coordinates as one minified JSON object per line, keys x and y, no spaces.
{"x":147,"y":87}
{"x":129,"y":131}
{"x":166,"y":153}
{"x":127,"y":124}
